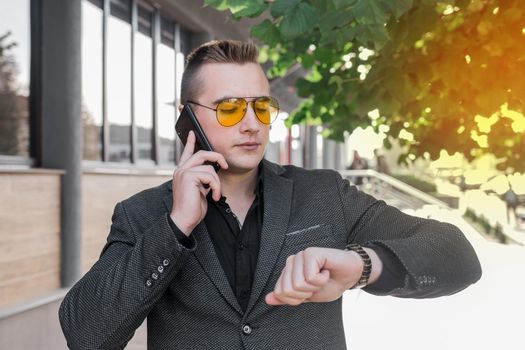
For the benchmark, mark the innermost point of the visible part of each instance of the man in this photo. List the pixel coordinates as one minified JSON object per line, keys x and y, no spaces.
{"x":251,"y":257}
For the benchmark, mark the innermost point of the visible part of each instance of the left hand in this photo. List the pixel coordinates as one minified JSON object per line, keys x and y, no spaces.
{"x":316,"y":275}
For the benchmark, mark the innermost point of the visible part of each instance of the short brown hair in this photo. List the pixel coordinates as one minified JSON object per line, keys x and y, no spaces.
{"x":223,"y":51}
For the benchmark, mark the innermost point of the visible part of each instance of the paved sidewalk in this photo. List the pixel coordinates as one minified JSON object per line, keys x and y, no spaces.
{"x":487,"y":315}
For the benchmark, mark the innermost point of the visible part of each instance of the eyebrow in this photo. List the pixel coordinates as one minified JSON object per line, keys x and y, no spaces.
{"x":227,"y":97}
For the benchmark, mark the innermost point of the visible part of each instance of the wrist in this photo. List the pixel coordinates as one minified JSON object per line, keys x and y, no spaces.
{"x":181,"y":225}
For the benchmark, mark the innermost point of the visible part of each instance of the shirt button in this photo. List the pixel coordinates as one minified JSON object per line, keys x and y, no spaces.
{"x":160,"y":268}
{"x":228,"y":210}
{"x":148,"y":283}
{"x":246,"y":329}
{"x":154,"y":275}
{"x":166,"y":262}
{"x":241,"y":246}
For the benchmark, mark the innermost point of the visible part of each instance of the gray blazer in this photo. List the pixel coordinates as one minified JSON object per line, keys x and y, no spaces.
{"x":144,"y":271}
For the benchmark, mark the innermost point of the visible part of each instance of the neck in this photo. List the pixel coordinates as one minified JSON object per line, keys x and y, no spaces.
{"x":238,"y":184}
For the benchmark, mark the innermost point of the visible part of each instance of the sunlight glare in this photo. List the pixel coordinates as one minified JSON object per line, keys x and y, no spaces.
{"x":365,"y":141}
{"x":484,"y":124}
{"x":518,"y":119}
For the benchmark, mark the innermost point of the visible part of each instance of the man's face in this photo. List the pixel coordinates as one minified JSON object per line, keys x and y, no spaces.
{"x":243,"y":144}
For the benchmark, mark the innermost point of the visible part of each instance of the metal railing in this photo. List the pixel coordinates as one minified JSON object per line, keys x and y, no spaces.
{"x":391,"y":190}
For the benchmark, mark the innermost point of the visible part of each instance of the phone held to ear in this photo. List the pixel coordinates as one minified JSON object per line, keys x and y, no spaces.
{"x":188,"y":122}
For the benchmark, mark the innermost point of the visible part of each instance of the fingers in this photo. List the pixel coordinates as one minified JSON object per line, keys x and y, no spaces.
{"x":299,"y":282}
{"x":291,"y":287}
{"x":188,"y":148}
{"x":201,"y":157}
{"x":313,"y":269}
{"x":205,"y":175}
{"x":188,"y":159}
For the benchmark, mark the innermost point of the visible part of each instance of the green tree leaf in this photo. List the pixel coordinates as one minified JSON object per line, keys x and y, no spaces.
{"x":267,"y":32}
{"x":370,"y":11}
{"x":339,"y":4}
{"x":280,"y":7}
{"x":253,"y":10}
{"x":335,"y":19}
{"x":298,"y":20}
{"x":398,"y":7}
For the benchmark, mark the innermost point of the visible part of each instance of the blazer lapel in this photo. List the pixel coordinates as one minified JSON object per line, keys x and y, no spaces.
{"x":205,"y":254}
{"x":277,"y":202}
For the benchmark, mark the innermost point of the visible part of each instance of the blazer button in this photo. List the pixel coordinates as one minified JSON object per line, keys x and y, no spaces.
{"x":246,"y":329}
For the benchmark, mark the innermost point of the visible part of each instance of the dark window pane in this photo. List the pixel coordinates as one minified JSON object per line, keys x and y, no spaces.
{"x":121,"y":9}
{"x":185,"y":41}
{"x":119,"y":90}
{"x":167,"y":32}
{"x":14,"y":77}
{"x":166,"y":103}
{"x":144,"y":95}
{"x":145,"y":19}
{"x":92,"y":18}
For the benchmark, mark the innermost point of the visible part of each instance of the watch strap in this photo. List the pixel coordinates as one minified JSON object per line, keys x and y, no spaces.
{"x":367,"y":265}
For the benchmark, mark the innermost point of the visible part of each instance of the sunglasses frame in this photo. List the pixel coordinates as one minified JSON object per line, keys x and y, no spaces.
{"x":252,"y":101}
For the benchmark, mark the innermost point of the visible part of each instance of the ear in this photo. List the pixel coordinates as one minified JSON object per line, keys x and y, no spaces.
{"x":180,"y":108}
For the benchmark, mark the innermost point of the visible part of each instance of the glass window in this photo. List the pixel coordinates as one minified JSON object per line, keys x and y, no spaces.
{"x":119,"y":81}
{"x":119,"y":90}
{"x":92,"y":21}
{"x":144,"y":85}
{"x":185,"y":41}
{"x":166,"y":93}
{"x":14,"y":77}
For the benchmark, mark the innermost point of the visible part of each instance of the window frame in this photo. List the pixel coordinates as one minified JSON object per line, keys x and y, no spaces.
{"x":35,"y":97}
{"x":135,"y":162}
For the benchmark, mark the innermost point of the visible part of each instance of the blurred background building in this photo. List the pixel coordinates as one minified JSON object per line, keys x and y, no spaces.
{"x":88,"y":96}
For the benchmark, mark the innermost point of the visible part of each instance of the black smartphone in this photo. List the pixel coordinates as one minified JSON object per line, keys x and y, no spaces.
{"x":186,"y":122}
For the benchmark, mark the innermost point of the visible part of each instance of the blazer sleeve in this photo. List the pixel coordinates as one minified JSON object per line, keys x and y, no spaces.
{"x":105,"y":307}
{"x":437,"y":257}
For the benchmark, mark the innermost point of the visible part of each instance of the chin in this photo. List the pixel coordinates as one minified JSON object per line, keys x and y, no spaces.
{"x":243,"y":164}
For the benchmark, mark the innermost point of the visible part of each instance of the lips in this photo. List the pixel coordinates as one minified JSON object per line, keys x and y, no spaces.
{"x":249,"y":146}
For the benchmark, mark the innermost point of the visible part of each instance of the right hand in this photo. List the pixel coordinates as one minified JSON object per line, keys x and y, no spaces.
{"x":189,"y":195}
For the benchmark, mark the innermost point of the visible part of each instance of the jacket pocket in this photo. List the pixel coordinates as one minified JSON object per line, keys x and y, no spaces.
{"x":308,"y":234}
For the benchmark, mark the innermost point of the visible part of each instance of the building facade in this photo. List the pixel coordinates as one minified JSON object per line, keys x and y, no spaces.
{"x":88,"y":97}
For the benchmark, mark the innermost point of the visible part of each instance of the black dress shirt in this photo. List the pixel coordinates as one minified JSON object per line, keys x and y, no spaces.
{"x":237,"y":247}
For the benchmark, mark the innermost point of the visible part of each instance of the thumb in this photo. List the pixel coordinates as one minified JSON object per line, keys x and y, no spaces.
{"x":272,"y":300}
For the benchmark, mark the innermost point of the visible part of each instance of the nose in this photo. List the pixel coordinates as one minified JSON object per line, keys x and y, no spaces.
{"x":250,"y":123}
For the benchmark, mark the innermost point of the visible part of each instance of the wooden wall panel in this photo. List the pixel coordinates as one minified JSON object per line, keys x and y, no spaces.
{"x":29,"y":235}
{"x":100,"y":194}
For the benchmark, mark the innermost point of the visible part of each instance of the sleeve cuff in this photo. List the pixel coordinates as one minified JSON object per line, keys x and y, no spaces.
{"x":186,"y":241}
{"x":393,"y":273}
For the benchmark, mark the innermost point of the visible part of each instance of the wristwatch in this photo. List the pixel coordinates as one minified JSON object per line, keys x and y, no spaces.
{"x":367,"y":264}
